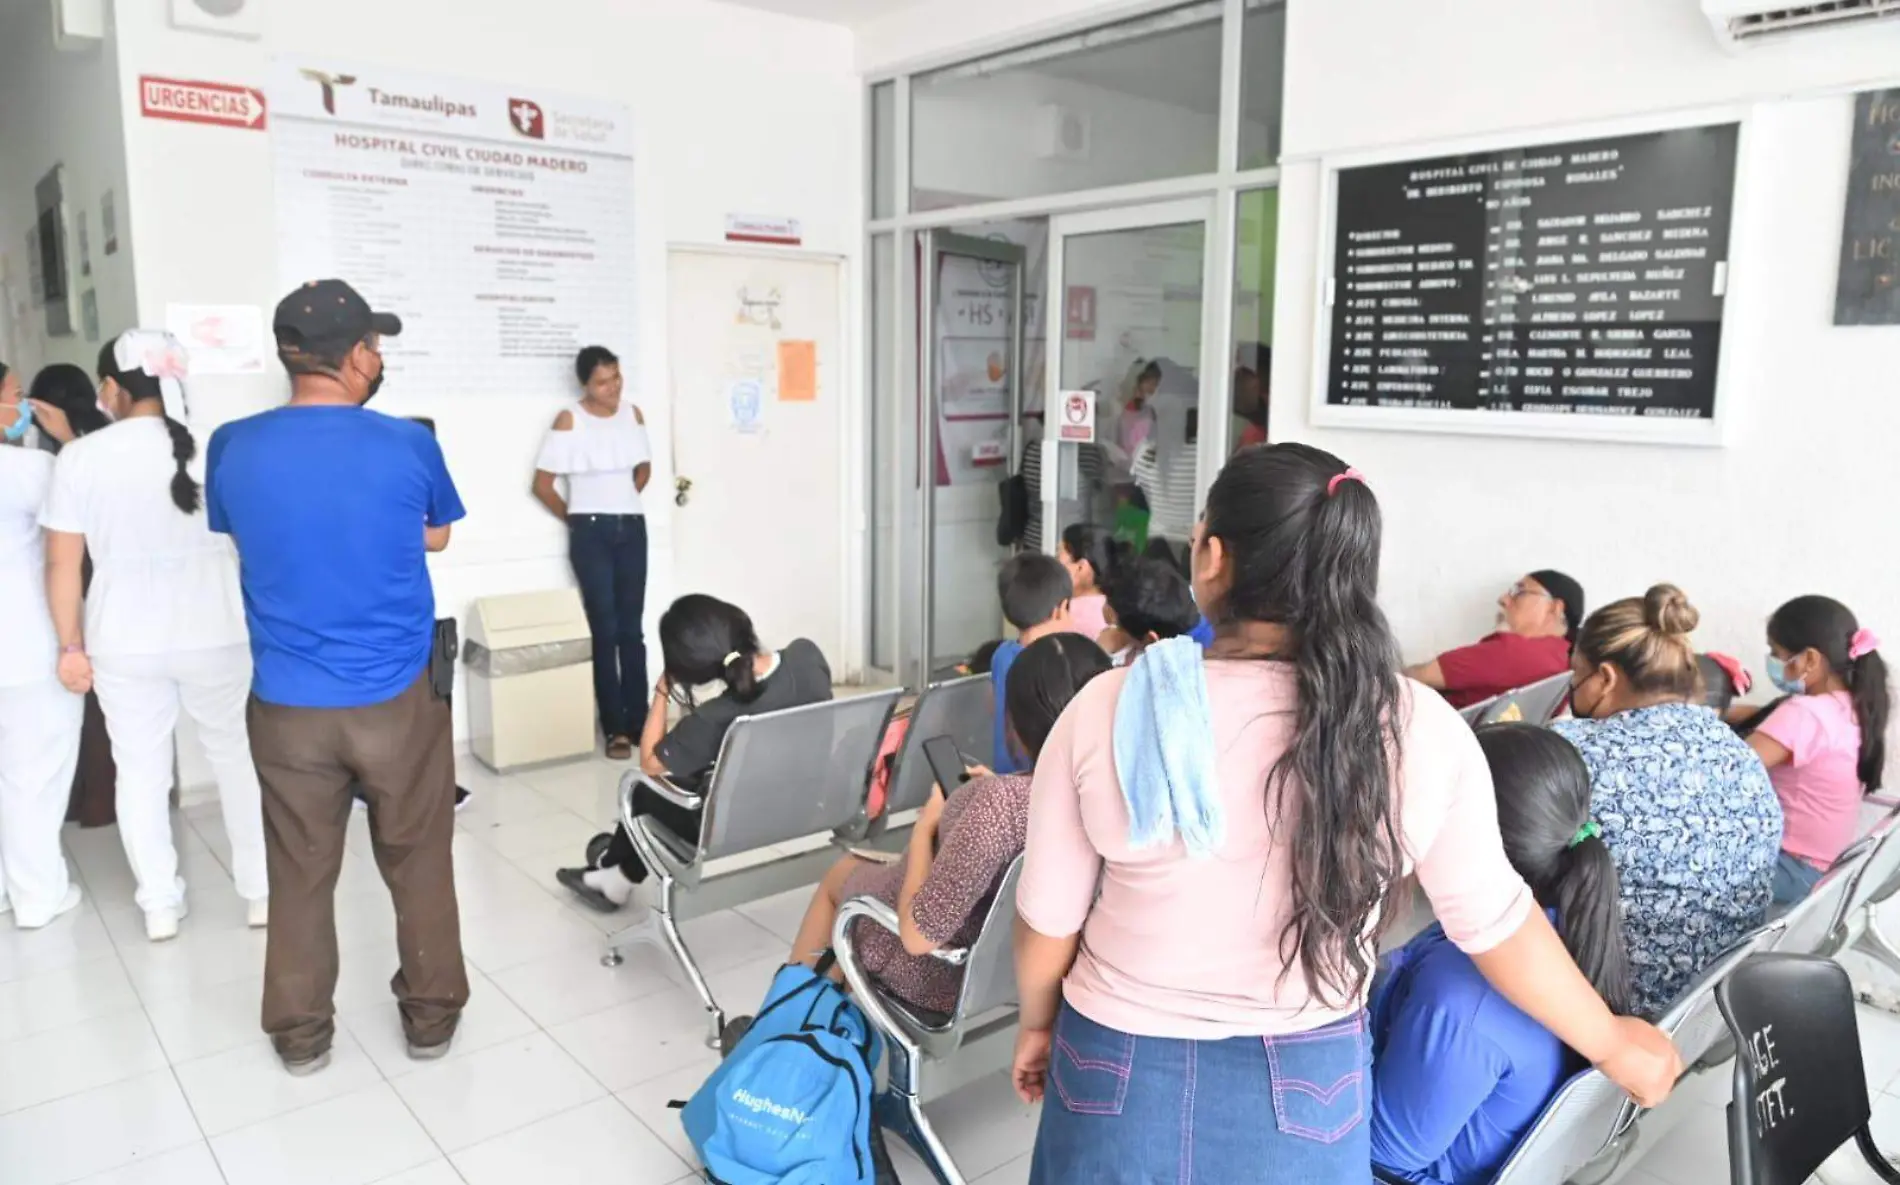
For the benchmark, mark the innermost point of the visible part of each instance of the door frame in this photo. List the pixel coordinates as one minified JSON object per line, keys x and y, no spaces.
{"x":1211,"y":446}
{"x":850,"y":666}
{"x":933,"y":244}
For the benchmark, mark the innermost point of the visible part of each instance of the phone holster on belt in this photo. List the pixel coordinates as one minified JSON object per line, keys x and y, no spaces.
{"x":442,"y":659}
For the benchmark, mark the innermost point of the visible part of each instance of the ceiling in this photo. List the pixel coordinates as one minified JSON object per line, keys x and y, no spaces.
{"x":836,"y":12}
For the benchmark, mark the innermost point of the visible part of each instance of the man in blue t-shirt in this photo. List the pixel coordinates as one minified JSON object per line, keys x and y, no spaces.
{"x":333,"y":508}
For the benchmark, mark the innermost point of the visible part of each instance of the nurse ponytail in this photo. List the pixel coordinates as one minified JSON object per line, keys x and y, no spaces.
{"x":140,"y":385}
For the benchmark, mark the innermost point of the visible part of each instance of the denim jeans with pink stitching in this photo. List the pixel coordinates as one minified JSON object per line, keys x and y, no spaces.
{"x":1128,"y":1110}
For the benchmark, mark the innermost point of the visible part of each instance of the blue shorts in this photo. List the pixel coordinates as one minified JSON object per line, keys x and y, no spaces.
{"x":1128,"y":1110}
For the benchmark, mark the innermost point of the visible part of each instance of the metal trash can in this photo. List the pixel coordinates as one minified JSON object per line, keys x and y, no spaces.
{"x":530,"y":679}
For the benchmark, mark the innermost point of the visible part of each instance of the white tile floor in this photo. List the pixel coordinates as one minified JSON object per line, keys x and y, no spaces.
{"x":124,"y":1063}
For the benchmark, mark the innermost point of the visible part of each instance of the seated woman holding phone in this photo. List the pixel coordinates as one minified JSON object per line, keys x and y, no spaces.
{"x":961,"y":845}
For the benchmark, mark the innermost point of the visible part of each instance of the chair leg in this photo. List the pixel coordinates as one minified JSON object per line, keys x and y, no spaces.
{"x":1874,"y":943}
{"x":646,"y":931}
{"x":715,"y":1017}
{"x":899,"y":1108}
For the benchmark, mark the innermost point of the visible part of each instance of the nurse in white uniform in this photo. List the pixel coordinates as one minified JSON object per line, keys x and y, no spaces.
{"x":39,"y":719}
{"x":163,"y":624}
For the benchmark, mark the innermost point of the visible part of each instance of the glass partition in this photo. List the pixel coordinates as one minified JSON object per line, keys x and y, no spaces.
{"x":1135,"y":101}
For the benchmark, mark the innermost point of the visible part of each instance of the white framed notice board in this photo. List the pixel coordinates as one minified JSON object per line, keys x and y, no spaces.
{"x":1571,"y":287}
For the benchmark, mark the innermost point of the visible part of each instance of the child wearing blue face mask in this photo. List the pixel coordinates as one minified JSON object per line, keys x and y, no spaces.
{"x":1824,"y":741}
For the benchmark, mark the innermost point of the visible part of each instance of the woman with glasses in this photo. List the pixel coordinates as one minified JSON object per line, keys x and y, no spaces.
{"x":703,"y":640}
{"x":1537,"y":623}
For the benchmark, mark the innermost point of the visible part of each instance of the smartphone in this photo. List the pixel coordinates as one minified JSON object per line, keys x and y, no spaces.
{"x":946,"y":762}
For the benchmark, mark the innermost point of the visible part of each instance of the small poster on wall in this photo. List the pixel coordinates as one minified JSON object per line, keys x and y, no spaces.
{"x":85,"y":246}
{"x":35,"y":269}
{"x":89,"y":313}
{"x":1868,"y":292}
{"x":109,"y":223}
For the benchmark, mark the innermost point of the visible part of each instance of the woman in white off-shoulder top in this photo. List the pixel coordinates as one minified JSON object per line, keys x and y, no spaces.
{"x":594,"y":466}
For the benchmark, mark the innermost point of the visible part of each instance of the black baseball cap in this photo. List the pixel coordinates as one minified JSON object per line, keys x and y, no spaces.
{"x":329,"y":312}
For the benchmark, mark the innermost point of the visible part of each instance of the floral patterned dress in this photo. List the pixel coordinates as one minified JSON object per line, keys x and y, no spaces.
{"x":1694,"y":827}
{"x":983,"y":828}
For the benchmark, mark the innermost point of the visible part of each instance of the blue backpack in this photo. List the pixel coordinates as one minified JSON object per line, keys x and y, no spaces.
{"x":791,"y":1105}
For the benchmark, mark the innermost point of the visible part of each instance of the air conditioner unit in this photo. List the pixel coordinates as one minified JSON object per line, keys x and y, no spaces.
{"x":1741,"y":23}
{"x":230,"y":18}
{"x":1062,"y":133}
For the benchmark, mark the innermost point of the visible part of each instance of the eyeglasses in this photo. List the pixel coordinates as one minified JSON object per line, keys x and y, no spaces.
{"x":1520,"y":589}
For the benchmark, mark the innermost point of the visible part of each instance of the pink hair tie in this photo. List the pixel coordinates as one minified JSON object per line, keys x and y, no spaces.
{"x":1332,"y":487}
{"x":1863,"y":643}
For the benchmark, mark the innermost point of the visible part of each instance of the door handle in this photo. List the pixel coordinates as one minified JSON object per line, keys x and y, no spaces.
{"x":681,"y":487}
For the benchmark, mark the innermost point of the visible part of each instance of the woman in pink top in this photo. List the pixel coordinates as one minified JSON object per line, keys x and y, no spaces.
{"x":1092,"y":556}
{"x":1824,"y":745}
{"x":1211,"y":845}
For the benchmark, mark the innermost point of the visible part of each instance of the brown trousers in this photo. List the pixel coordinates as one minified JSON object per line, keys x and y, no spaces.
{"x":400,"y":753}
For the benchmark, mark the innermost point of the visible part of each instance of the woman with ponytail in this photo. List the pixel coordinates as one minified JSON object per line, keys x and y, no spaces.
{"x":1095,"y":559}
{"x":1460,"y":1074}
{"x":1825,"y":743}
{"x":703,"y":641}
{"x":162,"y":626}
{"x":1212,"y":842}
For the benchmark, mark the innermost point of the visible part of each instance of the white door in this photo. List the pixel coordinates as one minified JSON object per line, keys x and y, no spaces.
{"x":759,"y":441}
{"x":1130,"y":295}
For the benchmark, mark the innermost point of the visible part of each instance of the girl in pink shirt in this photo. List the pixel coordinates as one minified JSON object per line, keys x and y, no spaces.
{"x":1092,"y":556}
{"x":1824,"y":745}
{"x":1212,"y":841}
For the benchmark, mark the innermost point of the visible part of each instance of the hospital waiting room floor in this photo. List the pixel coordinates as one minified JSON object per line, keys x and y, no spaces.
{"x":129,"y":1063}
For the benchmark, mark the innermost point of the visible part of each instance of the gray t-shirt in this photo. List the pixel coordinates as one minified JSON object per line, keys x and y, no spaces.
{"x":803,"y":677}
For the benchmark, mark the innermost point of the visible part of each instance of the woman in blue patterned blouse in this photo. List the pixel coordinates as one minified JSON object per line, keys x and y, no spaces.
{"x":1685,"y":805}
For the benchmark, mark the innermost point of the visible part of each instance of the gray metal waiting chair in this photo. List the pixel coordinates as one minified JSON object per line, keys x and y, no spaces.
{"x":963,"y":709}
{"x":1694,"y":1023}
{"x":780,"y":777}
{"x":1537,"y":704}
{"x":1811,"y":925}
{"x":1858,"y":927}
{"x":1576,"y":1125}
{"x":975,"y":1040}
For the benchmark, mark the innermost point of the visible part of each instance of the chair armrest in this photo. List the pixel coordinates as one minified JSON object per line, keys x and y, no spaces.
{"x":874,"y":910}
{"x":658,"y":784}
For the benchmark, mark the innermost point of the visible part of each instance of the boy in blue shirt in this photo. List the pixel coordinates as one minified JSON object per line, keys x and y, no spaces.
{"x":1035,"y":591}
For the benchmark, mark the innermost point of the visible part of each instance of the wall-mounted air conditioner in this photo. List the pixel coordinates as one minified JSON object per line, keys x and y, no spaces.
{"x":1062,"y":133}
{"x":229,"y":18}
{"x":1740,"y":23}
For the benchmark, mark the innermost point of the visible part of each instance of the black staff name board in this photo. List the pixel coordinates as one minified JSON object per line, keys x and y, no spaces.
{"x":1869,"y":288}
{"x":1580,"y":278}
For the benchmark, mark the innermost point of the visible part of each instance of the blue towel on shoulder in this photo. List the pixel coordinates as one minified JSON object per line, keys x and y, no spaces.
{"x":1164,"y":750}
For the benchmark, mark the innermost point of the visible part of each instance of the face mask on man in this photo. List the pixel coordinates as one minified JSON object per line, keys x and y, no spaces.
{"x":24,"y":421}
{"x":1778,"y":675}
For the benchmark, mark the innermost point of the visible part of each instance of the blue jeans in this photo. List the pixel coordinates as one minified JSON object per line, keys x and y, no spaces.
{"x":609,"y":554}
{"x":1794,"y":879}
{"x":1128,"y":1110}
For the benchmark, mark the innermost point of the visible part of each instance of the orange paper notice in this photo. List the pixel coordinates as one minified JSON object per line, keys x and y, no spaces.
{"x":797,"y":372}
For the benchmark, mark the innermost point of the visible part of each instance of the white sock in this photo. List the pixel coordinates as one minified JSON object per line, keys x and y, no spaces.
{"x":612,"y":883}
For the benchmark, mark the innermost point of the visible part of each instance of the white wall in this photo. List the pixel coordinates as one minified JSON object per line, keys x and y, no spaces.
{"x":1802,"y":498}
{"x":735,"y":111}
{"x":58,"y":108}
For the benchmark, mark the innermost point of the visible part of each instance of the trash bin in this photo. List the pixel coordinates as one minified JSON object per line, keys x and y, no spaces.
{"x":530,"y":679}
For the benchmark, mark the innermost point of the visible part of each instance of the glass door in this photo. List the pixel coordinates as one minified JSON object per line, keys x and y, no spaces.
{"x":971,"y":316}
{"x":1134,"y":322}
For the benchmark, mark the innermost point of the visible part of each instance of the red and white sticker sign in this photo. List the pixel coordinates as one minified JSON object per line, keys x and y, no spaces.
{"x":202,"y":102}
{"x":754,"y":228}
{"x":1080,"y":307}
{"x":1078,"y":418}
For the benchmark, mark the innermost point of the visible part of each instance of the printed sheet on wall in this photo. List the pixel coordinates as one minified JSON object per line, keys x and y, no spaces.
{"x":496,"y":221}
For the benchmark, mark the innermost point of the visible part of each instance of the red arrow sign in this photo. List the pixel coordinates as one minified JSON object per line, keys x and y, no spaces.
{"x":201,"y":102}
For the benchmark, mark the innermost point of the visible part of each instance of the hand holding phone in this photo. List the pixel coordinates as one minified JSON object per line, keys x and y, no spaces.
{"x":946,"y":762}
